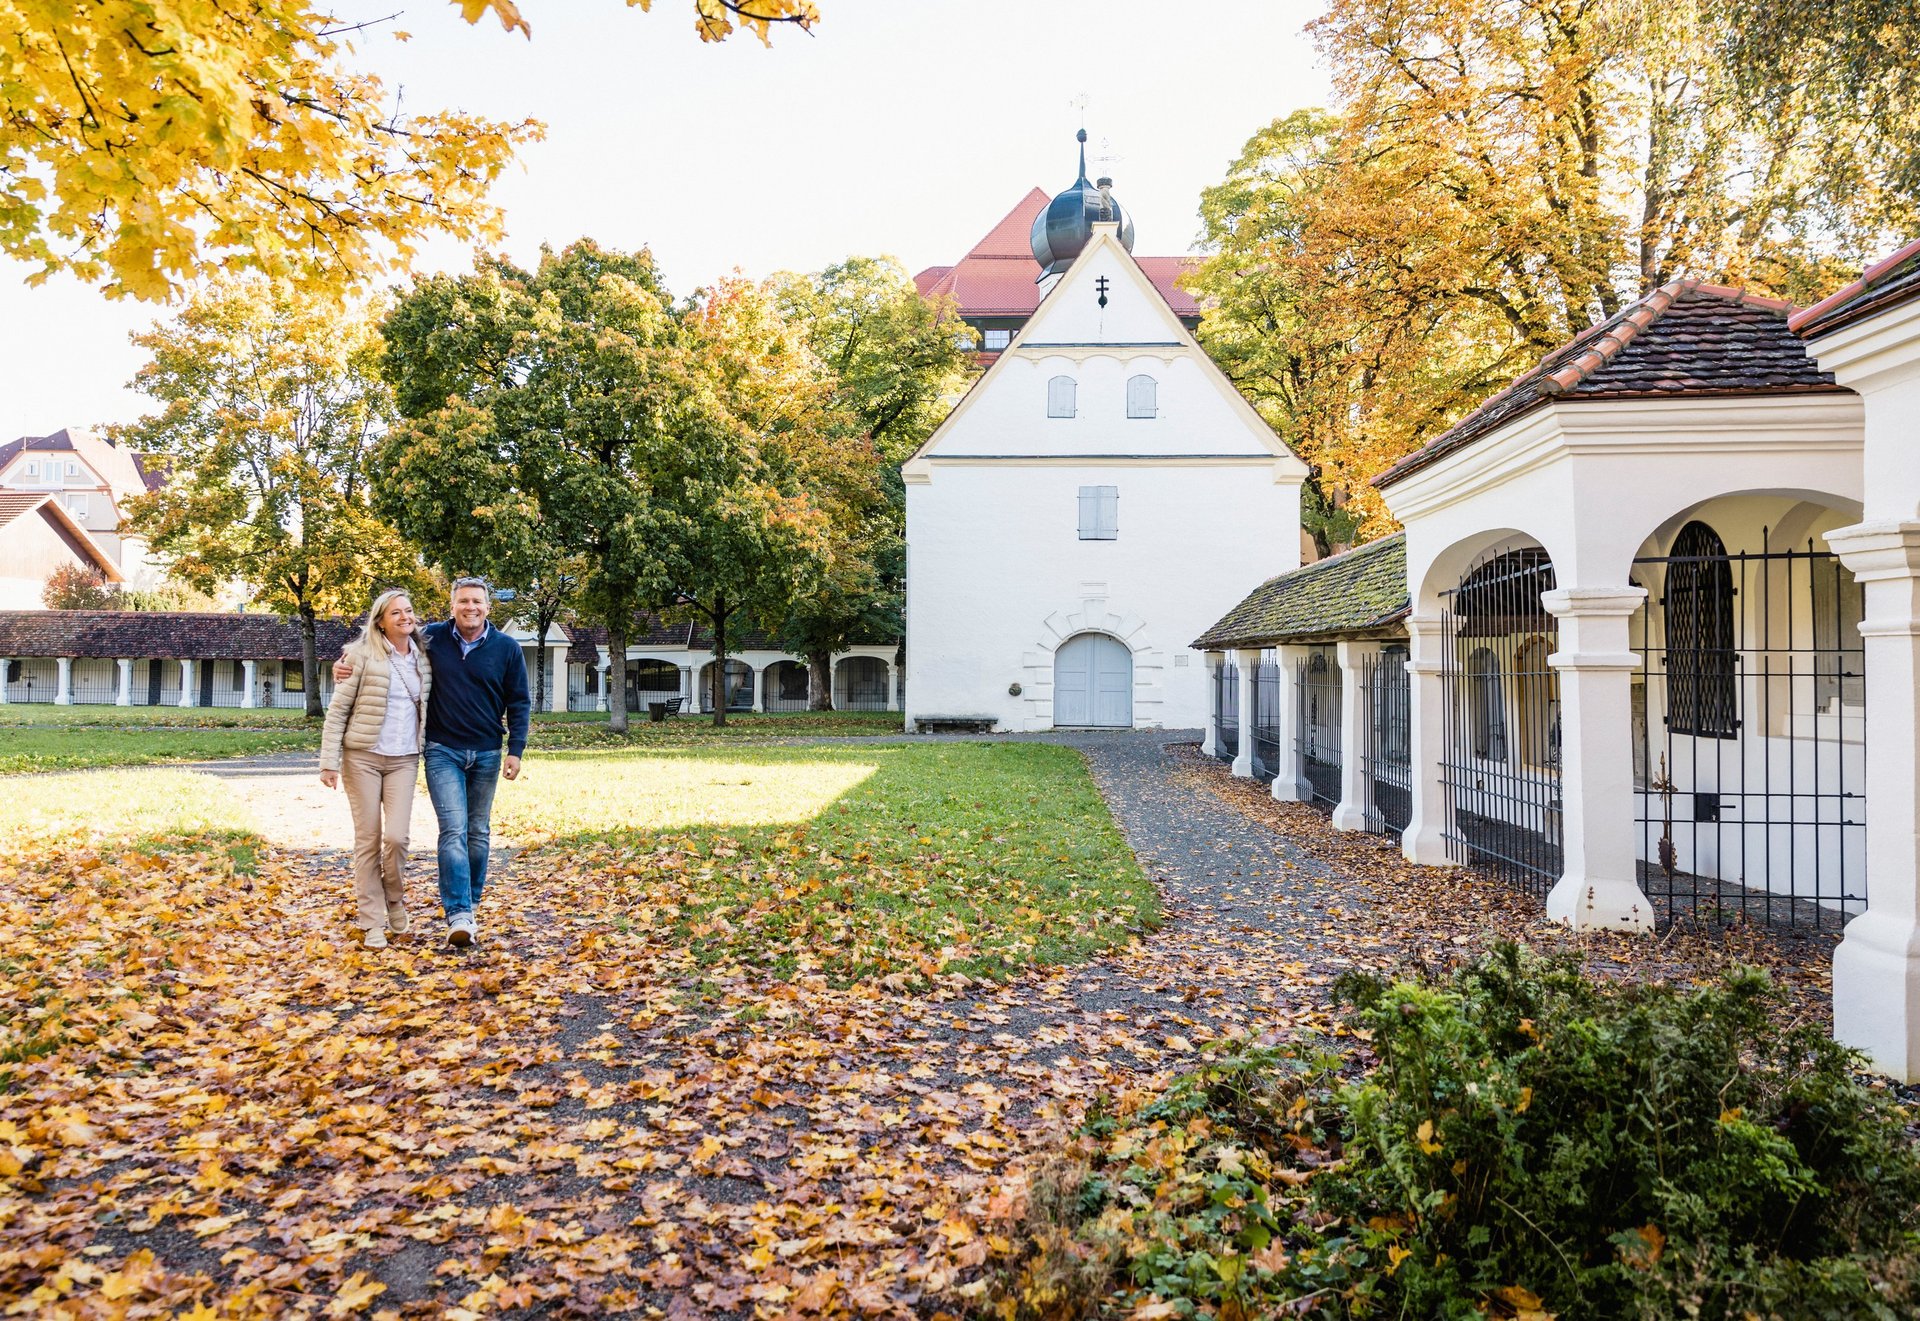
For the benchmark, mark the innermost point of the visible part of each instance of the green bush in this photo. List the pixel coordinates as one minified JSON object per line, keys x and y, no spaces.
{"x":1528,"y":1142}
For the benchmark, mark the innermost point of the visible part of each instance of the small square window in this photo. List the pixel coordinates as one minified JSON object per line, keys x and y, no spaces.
{"x":1099,"y":513}
{"x":73,"y":470}
{"x":33,"y":470}
{"x":998,"y":339}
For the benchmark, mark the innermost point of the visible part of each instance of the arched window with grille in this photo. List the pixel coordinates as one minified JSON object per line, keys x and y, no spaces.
{"x":1143,"y":396}
{"x":1703,"y":696}
{"x":1060,"y":397}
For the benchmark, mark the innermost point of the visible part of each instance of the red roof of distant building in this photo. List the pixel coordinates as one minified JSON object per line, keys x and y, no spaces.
{"x":999,"y":276}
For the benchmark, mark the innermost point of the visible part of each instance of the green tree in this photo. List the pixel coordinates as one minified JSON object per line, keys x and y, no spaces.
{"x":888,"y":362}
{"x":534,"y":406}
{"x":271,"y":404}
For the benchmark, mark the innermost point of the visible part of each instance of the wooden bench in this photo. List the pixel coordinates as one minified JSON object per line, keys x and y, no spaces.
{"x":953,"y":724}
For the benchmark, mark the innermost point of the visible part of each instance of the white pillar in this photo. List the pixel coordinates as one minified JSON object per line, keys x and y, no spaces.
{"x":123,"y":689}
{"x":1424,"y":840}
{"x":687,"y":695}
{"x":1247,"y":666}
{"x":893,"y":688}
{"x":1599,"y":884}
{"x":189,"y":695}
{"x":557,"y":678}
{"x":250,"y":680}
{"x":1876,"y":970}
{"x":601,"y":671}
{"x":1356,"y":725}
{"x":1288,"y":785}
{"x":6,"y":668}
{"x":63,"y":687}
{"x":1211,"y":661}
{"x":760,"y":688}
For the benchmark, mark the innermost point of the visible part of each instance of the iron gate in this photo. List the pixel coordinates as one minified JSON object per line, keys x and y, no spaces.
{"x":1501,"y":775}
{"x":1226,"y":711}
{"x":1386,"y":770}
{"x":1749,"y":718}
{"x":1317,"y":681}
{"x":1267,"y":697}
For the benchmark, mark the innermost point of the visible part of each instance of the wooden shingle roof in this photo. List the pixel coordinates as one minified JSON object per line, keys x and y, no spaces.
{"x":1358,"y":592}
{"x":1685,"y":338}
{"x":161,"y":634}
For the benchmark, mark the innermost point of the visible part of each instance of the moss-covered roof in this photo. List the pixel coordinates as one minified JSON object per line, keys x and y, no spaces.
{"x":1359,"y":591}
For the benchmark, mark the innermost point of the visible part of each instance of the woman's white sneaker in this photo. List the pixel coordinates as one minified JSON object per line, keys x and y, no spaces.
{"x":376,"y":939}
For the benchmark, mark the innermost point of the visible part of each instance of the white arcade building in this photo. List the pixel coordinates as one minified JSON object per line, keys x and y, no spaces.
{"x":1053,"y":576}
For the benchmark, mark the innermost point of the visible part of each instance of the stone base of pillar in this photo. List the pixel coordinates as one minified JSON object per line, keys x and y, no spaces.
{"x":1287,"y":789}
{"x":1349,"y":816}
{"x":1425,"y":847}
{"x":1876,"y":993}
{"x":1587,"y":904}
{"x":1243,"y":762}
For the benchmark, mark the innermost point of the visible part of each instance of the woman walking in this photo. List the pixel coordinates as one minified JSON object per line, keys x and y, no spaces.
{"x":372,"y":741}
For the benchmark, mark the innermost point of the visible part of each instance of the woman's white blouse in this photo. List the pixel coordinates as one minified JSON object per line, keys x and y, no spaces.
{"x":400,"y":731}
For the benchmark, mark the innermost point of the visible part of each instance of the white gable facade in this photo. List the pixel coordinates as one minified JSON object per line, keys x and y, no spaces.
{"x":1068,"y":524}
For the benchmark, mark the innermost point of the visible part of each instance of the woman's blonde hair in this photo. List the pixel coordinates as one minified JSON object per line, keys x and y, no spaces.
{"x":361,"y":649}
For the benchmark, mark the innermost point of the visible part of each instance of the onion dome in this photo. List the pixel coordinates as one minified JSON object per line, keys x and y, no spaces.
{"x":1062,"y":230}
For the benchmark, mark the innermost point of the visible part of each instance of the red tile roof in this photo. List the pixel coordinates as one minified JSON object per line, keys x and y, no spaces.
{"x":1685,"y":338}
{"x":997,"y":277}
{"x":165,"y":635}
{"x":1892,"y":280}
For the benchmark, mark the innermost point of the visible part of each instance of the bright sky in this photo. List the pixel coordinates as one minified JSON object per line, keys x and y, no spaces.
{"x":902,"y":126}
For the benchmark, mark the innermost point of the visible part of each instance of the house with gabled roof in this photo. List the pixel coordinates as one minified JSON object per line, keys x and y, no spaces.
{"x":38,"y":535}
{"x":1055,"y":574}
{"x":92,"y":479}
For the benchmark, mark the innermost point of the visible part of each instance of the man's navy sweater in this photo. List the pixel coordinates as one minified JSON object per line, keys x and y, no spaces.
{"x":479,"y":696}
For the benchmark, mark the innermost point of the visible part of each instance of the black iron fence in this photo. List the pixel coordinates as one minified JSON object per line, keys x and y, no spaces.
{"x":1226,"y":711}
{"x":1500,"y":753}
{"x":866,"y":683}
{"x":1749,"y":716}
{"x":1386,"y":769}
{"x":1268,"y":693}
{"x":1317,"y":681}
{"x":787,"y":688}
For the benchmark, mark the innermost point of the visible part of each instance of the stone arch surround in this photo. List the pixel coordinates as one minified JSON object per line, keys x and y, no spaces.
{"x":1092,"y":614}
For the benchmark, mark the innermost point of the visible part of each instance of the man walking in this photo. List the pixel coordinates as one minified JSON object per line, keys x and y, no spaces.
{"x":479,"y":695}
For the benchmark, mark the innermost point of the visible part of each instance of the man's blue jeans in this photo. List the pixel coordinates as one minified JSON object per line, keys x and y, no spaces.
{"x":461,"y":784}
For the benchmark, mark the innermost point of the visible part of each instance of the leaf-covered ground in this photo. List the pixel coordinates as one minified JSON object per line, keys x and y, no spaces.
{"x":651,"y":1088}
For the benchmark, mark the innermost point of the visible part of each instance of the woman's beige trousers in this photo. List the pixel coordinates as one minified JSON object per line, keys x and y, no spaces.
{"x":380,"y":793}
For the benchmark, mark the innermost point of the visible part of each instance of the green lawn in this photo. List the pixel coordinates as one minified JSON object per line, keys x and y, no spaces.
{"x":875,"y":860}
{"x":81,"y":746}
{"x":45,"y":738}
{"x":154,"y":809}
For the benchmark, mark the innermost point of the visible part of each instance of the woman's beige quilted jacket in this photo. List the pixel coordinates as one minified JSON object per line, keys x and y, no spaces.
{"x":360,"y":704}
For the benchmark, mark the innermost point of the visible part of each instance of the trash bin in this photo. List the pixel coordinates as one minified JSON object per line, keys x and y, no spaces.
{"x":657,"y":712}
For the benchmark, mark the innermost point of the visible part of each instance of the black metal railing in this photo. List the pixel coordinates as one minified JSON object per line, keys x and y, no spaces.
{"x":1386,"y":765}
{"x":866,"y":683}
{"x":1749,"y":716}
{"x":1268,"y":693}
{"x":1226,"y":711}
{"x":1500,"y":752}
{"x":1317,"y":741}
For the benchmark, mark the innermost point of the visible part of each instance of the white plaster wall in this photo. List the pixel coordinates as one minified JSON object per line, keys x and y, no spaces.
{"x":996,"y":572}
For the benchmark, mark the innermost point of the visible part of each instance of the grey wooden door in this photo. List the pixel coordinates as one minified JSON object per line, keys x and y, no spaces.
{"x":1093,"y":683}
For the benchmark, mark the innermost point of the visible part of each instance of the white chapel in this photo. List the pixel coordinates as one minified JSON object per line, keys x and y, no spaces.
{"x":1060,"y":554}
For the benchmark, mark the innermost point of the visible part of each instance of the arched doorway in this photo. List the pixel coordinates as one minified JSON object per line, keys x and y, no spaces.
{"x":1093,"y":683}
{"x":739,"y":686}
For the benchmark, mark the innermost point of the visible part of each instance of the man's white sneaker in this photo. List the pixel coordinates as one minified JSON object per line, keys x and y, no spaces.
{"x":376,"y":939}
{"x":460,"y":930}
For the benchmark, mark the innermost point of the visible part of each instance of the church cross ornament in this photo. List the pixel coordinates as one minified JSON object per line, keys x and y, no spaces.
{"x":1101,"y":285}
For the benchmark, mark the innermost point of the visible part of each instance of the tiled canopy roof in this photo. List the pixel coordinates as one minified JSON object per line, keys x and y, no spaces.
{"x":1887,"y":283}
{"x":1684,"y":338}
{"x":166,"y":635}
{"x":1361,"y":591}
{"x":997,"y":278}
{"x":588,"y":642}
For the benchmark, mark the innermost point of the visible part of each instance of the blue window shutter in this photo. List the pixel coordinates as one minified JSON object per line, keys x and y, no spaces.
{"x":1142,"y":396}
{"x":1099,"y":513}
{"x":1060,"y":401}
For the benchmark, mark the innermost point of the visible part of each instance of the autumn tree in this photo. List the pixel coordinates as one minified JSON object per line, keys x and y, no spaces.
{"x":271,"y":401}
{"x":78,"y":587}
{"x":144,"y":141}
{"x":885,"y":361}
{"x":1498,"y":176}
{"x":535,"y":405}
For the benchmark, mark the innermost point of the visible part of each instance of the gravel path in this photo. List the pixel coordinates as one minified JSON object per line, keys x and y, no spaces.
{"x":292,"y":809}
